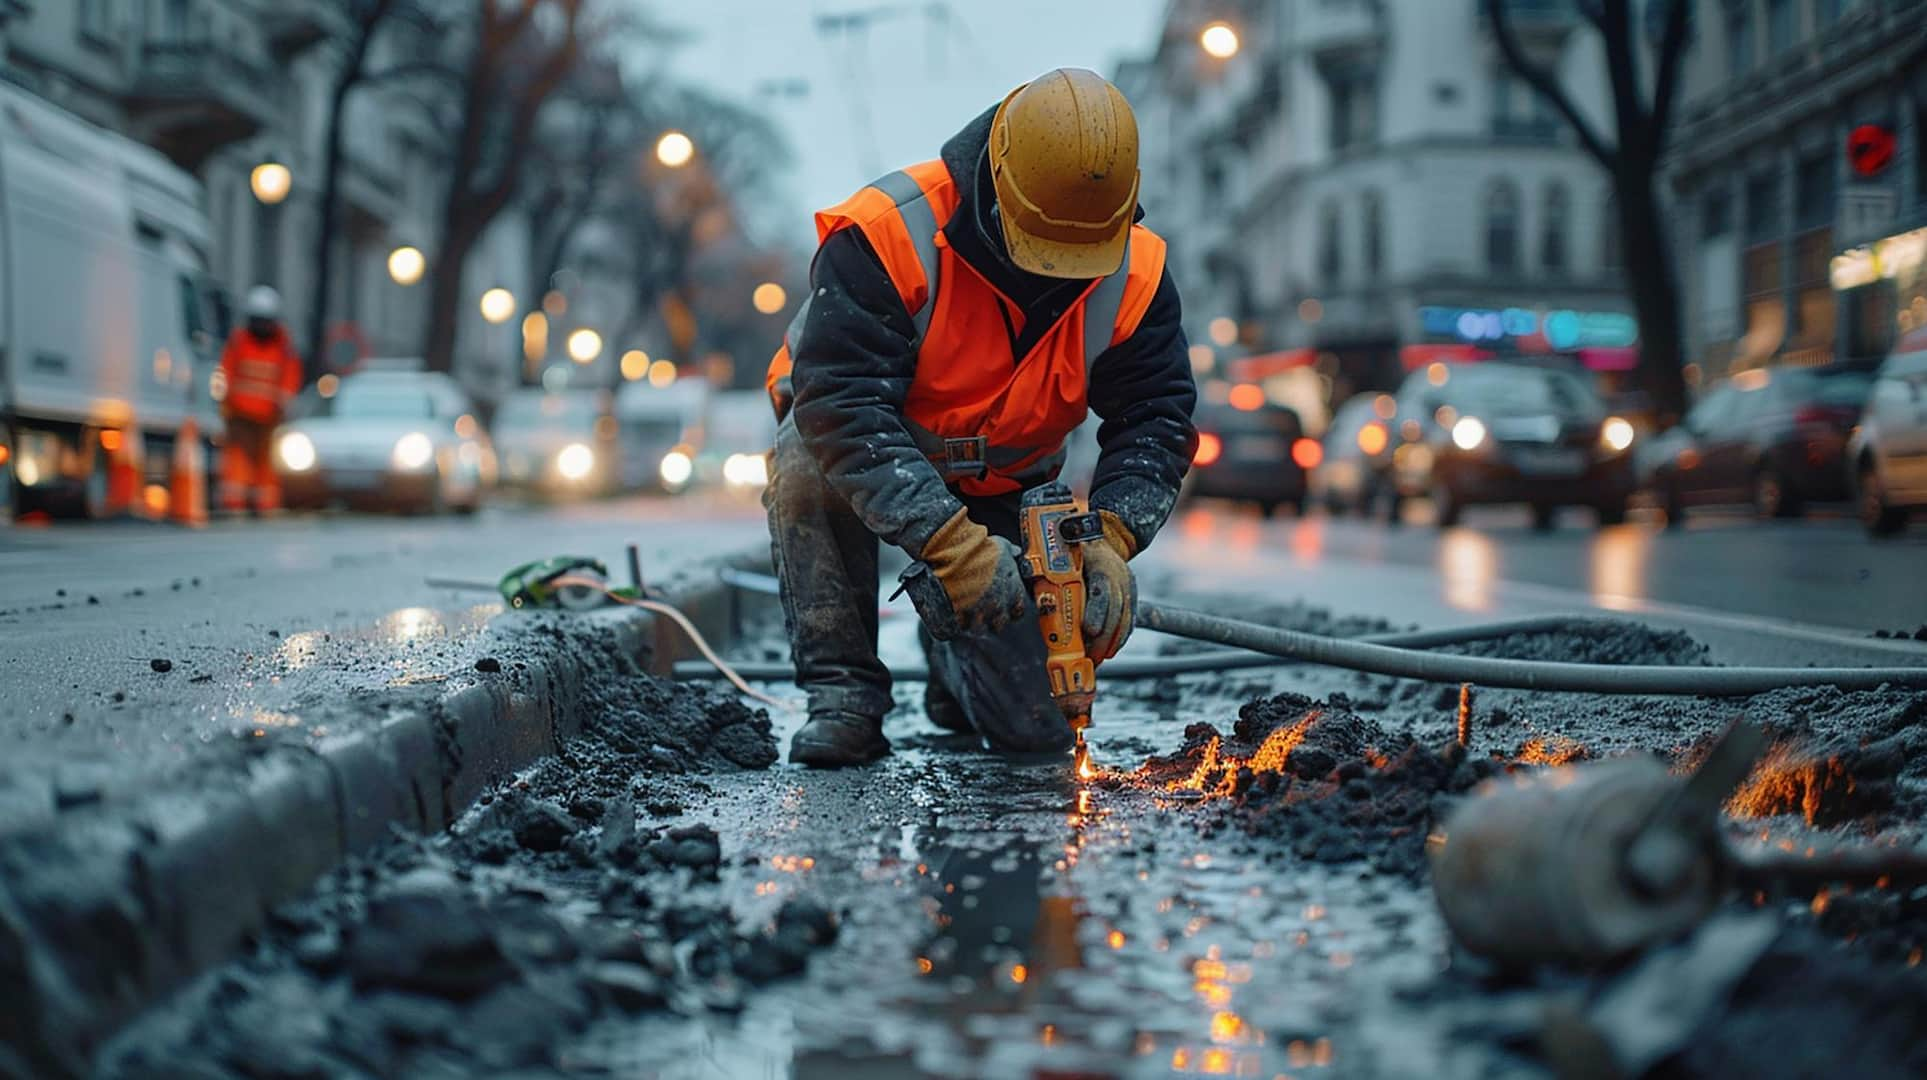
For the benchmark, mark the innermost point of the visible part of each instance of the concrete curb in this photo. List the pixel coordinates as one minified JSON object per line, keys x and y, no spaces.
{"x":104,"y":914}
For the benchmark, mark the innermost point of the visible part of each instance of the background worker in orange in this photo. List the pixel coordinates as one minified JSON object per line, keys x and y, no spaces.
{"x":964,"y":315}
{"x":262,"y":374}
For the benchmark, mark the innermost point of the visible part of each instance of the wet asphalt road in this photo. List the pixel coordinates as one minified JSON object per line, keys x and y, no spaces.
{"x":254,"y":617}
{"x":1001,"y":919}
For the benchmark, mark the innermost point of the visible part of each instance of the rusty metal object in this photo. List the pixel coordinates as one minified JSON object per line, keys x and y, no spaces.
{"x":1585,"y":864}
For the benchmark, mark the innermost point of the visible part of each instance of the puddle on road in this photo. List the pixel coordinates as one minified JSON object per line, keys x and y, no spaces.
{"x":1001,"y":919}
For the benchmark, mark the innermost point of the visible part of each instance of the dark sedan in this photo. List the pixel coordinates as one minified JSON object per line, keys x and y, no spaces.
{"x":1775,"y":439}
{"x":1252,"y":451}
{"x":1511,"y":433}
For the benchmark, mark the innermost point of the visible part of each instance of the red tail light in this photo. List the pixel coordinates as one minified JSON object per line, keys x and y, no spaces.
{"x":1823,"y":416}
{"x":1210,"y":449}
{"x":1307,"y":453}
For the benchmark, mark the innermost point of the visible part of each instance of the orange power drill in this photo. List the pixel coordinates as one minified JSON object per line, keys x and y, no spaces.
{"x":1055,"y":529}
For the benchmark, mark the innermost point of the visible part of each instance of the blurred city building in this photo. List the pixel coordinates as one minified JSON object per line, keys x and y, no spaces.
{"x":1364,"y":187}
{"x":224,"y":87}
{"x":1800,"y":180}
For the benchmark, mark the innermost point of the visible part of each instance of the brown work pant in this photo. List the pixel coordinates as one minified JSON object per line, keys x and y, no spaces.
{"x":247,"y":466}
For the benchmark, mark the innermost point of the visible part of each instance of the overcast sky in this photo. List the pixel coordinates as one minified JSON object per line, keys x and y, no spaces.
{"x":922,"y":77}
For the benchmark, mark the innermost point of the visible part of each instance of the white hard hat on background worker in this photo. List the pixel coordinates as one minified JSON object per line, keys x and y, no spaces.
{"x":263,"y":303}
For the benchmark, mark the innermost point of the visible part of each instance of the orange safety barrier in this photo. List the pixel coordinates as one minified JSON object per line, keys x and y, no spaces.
{"x":125,"y":475}
{"x":187,"y":479}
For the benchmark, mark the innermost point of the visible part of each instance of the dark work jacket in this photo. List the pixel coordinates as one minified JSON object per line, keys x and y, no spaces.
{"x":857,"y":362}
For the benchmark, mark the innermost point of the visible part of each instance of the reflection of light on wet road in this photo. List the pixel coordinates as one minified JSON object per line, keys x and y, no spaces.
{"x":1308,"y":540}
{"x":1618,"y":566}
{"x":1469,"y":566}
{"x":410,"y":624}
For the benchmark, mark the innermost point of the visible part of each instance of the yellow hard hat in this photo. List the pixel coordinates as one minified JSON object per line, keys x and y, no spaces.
{"x":1063,"y":158}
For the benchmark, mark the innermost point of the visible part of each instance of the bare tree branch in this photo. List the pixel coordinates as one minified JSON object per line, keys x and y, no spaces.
{"x":1672,"y":50}
{"x":1547,"y":86}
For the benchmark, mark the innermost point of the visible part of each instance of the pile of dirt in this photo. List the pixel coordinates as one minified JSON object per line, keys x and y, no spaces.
{"x":1346,"y":790}
{"x":554,"y":903}
{"x":1596,"y":641}
{"x":1809,"y":1008}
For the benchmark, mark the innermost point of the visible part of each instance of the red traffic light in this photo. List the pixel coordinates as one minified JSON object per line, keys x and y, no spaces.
{"x":1870,"y":148}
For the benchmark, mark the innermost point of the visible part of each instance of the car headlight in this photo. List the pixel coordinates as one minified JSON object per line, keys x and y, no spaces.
{"x":296,"y":452}
{"x":413,"y":452}
{"x":1616,"y":433}
{"x":1468,"y":433}
{"x":746,"y":470}
{"x":575,"y":461}
{"x":676,"y":468}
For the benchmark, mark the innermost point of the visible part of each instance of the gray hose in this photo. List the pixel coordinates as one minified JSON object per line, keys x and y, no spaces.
{"x":1211,"y":660}
{"x":1515,"y":674}
{"x":1254,"y":645}
{"x":1220,"y":659}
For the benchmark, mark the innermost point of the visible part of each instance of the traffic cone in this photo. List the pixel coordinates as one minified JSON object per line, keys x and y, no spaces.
{"x":187,"y":479}
{"x":124,"y":474}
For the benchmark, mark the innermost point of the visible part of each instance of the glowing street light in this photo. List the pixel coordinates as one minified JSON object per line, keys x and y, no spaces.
{"x":406,"y":264}
{"x":1224,"y":331}
{"x":635,"y":364}
{"x":662,"y":373}
{"x":498,"y":306}
{"x":675,"y":149}
{"x":769,"y":297}
{"x":271,"y":181}
{"x":584,"y":345}
{"x":1219,"y":41}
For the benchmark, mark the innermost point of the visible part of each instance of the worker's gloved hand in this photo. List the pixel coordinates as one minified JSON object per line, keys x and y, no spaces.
{"x":971,"y":585}
{"x":1110,"y":589}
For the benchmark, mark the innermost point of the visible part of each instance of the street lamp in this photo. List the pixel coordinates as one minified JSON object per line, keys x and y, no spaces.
{"x":1219,"y":41}
{"x":585,"y":345}
{"x":674,"y":149}
{"x":769,"y":297}
{"x":271,"y":181}
{"x":662,"y":373}
{"x":406,"y":264}
{"x":498,"y":306}
{"x":635,"y":364}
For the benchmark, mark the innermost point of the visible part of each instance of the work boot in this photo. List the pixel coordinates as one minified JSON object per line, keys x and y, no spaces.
{"x":833,"y":739}
{"x":943,"y":709}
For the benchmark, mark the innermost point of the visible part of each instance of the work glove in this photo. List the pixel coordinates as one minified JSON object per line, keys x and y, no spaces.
{"x":967,"y":581}
{"x":1110,"y":590}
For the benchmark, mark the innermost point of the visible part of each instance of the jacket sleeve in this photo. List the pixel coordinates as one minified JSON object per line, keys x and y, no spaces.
{"x":1142,"y":390}
{"x":852,"y":370}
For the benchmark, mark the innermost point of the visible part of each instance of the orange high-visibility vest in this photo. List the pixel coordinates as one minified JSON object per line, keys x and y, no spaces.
{"x":992,"y":423}
{"x":262,"y":376}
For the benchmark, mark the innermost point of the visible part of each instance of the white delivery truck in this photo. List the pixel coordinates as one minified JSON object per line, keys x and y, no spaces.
{"x":104,"y":307}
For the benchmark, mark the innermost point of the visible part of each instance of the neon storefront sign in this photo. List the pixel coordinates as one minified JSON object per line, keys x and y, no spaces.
{"x":1561,"y":330}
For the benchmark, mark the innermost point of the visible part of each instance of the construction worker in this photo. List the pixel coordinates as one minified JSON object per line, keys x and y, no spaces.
{"x":262,"y":375}
{"x":963,"y":314}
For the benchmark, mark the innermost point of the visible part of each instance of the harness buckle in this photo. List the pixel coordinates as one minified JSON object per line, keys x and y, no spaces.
{"x":965,"y":458}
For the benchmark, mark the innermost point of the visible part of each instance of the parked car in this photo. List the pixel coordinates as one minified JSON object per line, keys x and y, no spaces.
{"x":389,"y":439}
{"x":1257,"y":454}
{"x":1357,"y":465}
{"x":559,"y":444}
{"x":1774,"y":439}
{"x":1887,"y":454}
{"x":1511,"y":433}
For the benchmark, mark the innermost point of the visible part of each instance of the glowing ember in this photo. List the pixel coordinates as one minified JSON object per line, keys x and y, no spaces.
{"x":1216,"y":773}
{"x":1786,"y":781}
{"x":1557,"y":750}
